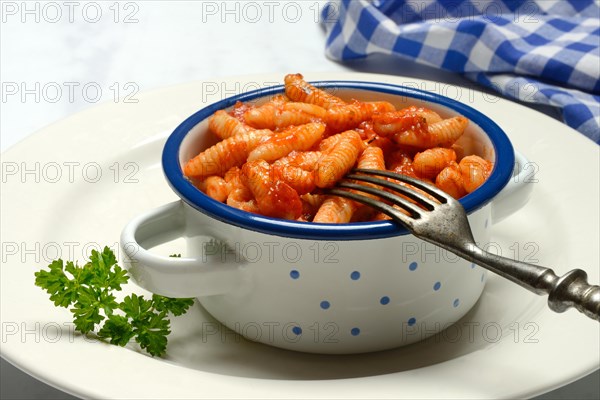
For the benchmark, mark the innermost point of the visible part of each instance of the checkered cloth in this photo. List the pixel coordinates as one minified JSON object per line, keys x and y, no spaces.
{"x":538,"y":51}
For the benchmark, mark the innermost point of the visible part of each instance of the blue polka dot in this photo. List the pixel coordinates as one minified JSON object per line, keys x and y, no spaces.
{"x":472,"y":265}
{"x":355,"y":275}
{"x":413,"y":265}
{"x":297,"y":330}
{"x":456,"y":302}
{"x":412,"y":321}
{"x":384,"y":300}
{"x":294,"y":274}
{"x":325,"y":304}
{"x":437,"y":286}
{"x":355,"y":331}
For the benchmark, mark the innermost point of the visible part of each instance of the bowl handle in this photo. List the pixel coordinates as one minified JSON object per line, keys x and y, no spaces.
{"x":517,"y":191}
{"x":171,"y":276}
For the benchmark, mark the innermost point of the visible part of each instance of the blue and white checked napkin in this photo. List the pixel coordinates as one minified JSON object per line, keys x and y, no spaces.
{"x":539,"y":51}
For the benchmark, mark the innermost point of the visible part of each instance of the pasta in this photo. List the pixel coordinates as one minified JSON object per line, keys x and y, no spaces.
{"x":450,"y":180}
{"x":240,"y":195}
{"x":339,"y":209}
{"x":301,"y":159}
{"x":297,"y":89}
{"x":474,"y":171}
{"x":349,"y":116}
{"x":274,"y":198}
{"x":339,"y":160}
{"x":225,"y":126}
{"x":273,"y":159}
{"x":219,"y":158}
{"x":280,"y":114}
{"x":301,"y":180}
{"x":216,"y":187}
{"x":280,"y":144}
{"x":335,"y":210}
{"x":429,"y":163}
{"x":440,"y":133}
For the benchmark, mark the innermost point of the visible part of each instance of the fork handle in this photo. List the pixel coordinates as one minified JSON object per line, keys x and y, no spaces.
{"x":570,"y":290}
{"x":573,"y":290}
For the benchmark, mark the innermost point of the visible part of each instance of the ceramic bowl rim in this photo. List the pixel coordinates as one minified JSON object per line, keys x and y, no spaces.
{"x":173,"y":170}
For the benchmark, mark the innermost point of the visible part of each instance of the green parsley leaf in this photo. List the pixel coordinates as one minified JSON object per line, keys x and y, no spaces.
{"x":86,"y":310}
{"x":136,"y":308}
{"x":152,"y":336}
{"x":117,"y":330}
{"x":174,"y":306}
{"x":88,"y":290}
{"x":62,"y":290}
{"x":151,"y":327}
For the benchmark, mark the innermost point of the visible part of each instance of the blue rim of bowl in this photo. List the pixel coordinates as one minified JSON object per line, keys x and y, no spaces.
{"x":501,"y":172}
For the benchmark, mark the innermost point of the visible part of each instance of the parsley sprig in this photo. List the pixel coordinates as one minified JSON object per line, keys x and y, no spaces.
{"x":88,"y":290}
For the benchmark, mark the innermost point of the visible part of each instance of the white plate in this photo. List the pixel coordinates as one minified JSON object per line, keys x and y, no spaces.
{"x":509,"y":345}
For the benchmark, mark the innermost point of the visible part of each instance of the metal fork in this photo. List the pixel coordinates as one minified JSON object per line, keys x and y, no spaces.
{"x":443,"y":221}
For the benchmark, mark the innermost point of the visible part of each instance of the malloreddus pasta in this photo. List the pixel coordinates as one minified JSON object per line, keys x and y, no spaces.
{"x":273,"y":159}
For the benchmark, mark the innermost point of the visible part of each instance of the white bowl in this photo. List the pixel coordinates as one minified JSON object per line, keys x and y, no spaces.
{"x":321,"y":288}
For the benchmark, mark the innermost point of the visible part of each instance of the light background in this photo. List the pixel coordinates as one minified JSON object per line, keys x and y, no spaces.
{"x":57,"y":58}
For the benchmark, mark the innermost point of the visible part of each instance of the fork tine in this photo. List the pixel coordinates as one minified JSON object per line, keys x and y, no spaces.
{"x":427,"y":188}
{"x":408,"y":192}
{"x":414,"y":211}
{"x":376,"y":204}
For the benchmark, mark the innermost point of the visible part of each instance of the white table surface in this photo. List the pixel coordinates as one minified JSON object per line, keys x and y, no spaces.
{"x":57,"y":58}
